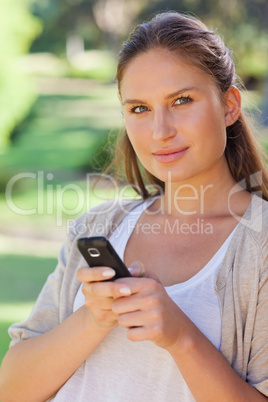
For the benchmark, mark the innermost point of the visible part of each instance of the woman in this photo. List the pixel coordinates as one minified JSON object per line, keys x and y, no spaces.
{"x":191,"y":322}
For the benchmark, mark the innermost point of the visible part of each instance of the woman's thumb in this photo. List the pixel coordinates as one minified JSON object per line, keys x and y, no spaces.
{"x":137,"y":269}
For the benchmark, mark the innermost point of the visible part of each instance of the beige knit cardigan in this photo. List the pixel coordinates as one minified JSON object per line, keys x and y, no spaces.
{"x":241,"y":285}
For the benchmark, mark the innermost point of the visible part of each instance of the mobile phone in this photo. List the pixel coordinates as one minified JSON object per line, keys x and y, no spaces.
{"x":98,"y":251}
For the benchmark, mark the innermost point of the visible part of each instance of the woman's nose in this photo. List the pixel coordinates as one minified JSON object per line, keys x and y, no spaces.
{"x":163,"y":126}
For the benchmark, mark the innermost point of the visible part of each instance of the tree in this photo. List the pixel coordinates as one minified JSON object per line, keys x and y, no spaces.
{"x":101,"y":23}
{"x":17,"y":30}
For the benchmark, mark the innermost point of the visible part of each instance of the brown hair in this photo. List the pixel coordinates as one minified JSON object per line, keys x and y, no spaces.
{"x":204,"y":49}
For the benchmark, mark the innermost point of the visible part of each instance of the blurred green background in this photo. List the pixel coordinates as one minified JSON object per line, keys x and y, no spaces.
{"x":59,"y":115}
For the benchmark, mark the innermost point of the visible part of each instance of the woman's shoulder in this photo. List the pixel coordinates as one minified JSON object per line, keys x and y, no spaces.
{"x":250,"y":240}
{"x":250,"y":237}
{"x":248,"y":249}
{"x":256,"y":218}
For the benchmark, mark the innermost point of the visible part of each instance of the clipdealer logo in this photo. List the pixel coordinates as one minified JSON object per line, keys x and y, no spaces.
{"x":198,"y":226}
{"x":53,"y":199}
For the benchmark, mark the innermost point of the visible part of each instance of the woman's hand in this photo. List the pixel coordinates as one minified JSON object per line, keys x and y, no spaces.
{"x":100,"y":293}
{"x":139,"y":304}
{"x":148,"y":313}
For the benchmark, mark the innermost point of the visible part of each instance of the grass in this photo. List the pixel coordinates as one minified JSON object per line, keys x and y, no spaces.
{"x":22,"y":277}
{"x":63,"y":134}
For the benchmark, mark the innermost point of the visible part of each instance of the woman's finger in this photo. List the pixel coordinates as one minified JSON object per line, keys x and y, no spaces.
{"x":94,"y":274}
{"x":114,"y":290}
{"x":133,"y":319}
{"x":137,"y":269}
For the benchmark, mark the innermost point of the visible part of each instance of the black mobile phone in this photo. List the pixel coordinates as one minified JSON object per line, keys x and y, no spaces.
{"x":98,"y":251}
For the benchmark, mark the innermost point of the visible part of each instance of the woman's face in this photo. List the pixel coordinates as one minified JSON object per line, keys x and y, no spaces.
{"x":174,"y":116}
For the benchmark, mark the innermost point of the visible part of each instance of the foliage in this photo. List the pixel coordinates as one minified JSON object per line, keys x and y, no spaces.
{"x":61,"y":18}
{"x":17,"y":30}
{"x":101,"y":24}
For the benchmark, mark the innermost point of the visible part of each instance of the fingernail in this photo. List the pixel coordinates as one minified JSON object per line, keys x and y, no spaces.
{"x":108,"y":273}
{"x":136,"y":271}
{"x":125,"y":291}
{"x":132,"y":269}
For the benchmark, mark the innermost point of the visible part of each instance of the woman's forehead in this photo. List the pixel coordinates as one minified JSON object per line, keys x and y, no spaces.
{"x":159,"y":67}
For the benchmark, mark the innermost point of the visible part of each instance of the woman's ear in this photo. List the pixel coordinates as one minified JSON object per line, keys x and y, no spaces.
{"x":232,"y":105}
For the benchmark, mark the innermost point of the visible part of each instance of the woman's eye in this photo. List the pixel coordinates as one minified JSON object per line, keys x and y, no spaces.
{"x":182,"y":100}
{"x":139,"y":109}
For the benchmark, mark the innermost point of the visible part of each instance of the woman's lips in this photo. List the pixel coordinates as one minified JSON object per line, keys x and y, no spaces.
{"x":169,"y":155}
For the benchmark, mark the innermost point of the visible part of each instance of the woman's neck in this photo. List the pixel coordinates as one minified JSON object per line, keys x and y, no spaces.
{"x":206,"y":195}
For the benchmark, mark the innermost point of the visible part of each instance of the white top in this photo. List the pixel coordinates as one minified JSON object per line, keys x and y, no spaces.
{"x":120,"y":370}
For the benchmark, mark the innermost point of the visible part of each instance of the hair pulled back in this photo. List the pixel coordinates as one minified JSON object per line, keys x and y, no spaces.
{"x":195,"y":44}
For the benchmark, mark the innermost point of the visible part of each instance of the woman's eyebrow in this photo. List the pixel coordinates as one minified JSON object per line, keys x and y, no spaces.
{"x":172,"y":95}
{"x":131,"y":101}
{"x":179,"y":92}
